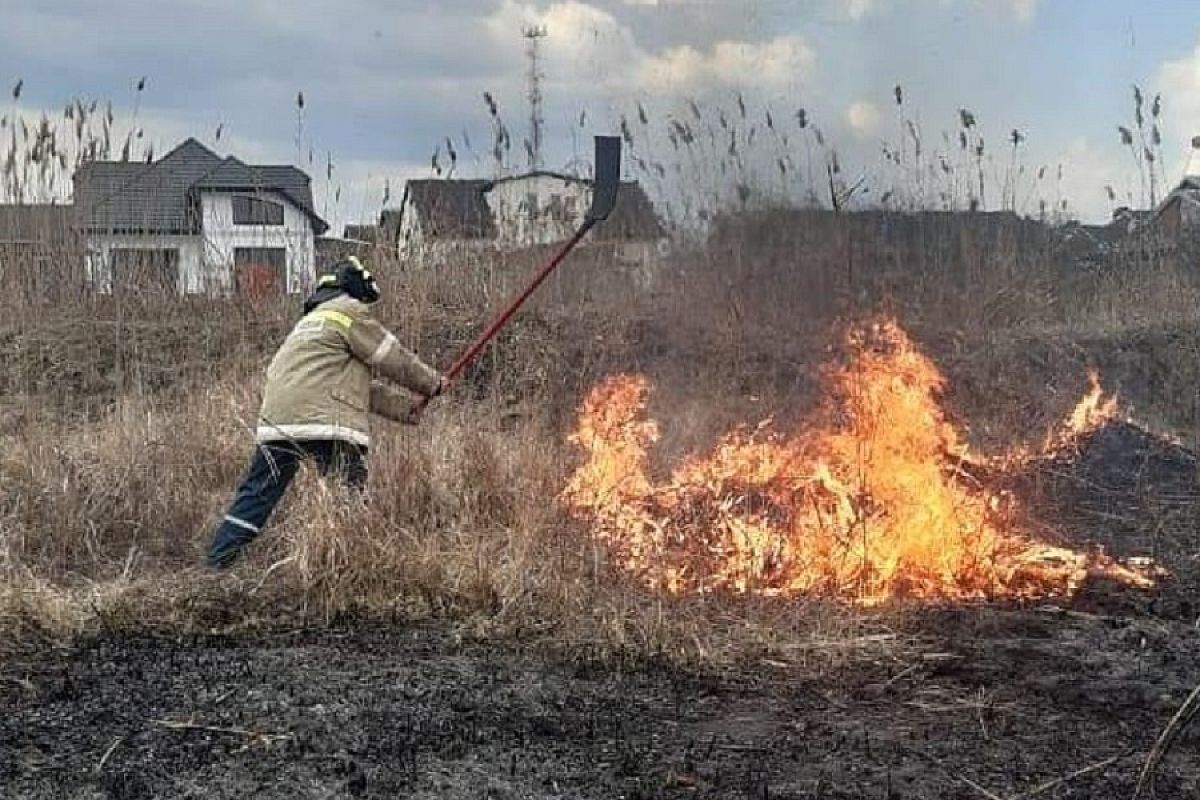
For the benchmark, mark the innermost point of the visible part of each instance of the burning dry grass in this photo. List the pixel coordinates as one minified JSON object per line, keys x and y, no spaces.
{"x":104,"y":525}
{"x":866,"y":503}
{"x":132,"y":425}
{"x":138,"y":426}
{"x":461,"y":526}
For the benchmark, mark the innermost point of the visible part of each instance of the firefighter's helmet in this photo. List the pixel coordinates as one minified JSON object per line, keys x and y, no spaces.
{"x":350,"y":276}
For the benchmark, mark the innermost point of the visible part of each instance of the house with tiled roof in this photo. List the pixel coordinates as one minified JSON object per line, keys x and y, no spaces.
{"x":194,"y":222}
{"x":440,"y":218}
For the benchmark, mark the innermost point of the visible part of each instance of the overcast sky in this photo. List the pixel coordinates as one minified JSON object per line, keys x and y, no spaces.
{"x":385,"y":82}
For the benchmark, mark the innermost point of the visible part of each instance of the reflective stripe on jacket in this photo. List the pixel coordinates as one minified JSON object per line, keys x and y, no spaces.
{"x":319,"y":383}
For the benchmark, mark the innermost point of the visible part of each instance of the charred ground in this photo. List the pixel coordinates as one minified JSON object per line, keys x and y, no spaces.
{"x":1010,"y":701}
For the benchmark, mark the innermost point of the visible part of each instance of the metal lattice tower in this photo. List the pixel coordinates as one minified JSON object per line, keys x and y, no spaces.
{"x":533,"y":36}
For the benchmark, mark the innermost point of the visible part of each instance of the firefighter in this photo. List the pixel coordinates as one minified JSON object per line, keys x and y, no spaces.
{"x":318,"y":395}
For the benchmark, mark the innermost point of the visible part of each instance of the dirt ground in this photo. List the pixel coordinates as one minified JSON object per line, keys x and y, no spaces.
{"x":988,"y":702}
{"x":1003,"y":704}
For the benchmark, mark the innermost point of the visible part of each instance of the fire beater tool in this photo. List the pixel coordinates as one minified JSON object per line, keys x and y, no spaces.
{"x":604,"y":198}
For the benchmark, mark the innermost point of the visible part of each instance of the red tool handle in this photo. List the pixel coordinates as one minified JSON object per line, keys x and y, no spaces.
{"x":504,"y":316}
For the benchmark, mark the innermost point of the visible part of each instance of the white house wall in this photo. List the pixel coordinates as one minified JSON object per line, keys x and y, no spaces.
{"x":222,"y":237}
{"x":100,"y":247}
{"x":409,"y":239}
{"x":537,"y":209}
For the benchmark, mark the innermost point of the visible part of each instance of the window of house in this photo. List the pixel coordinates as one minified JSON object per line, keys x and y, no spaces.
{"x":256,"y":211}
{"x":260,"y":271}
{"x":144,"y":270}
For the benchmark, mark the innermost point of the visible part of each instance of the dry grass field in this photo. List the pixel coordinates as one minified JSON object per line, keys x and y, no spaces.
{"x":853,"y":545}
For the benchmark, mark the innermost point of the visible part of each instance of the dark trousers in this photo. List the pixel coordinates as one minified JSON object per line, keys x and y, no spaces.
{"x":271,"y":471}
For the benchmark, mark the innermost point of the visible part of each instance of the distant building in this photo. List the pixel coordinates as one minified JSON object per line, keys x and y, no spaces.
{"x":39,"y":249}
{"x":438,"y":219}
{"x":194,"y":222}
{"x":382,"y":234}
{"x":34,"y":235}
{"x":1179,"y":212}
{"x":1170,"y":231}
{"x":363,"y":234}
{"x":445,"y":214}
{"x":899,"y":239}
{"x":329,"y":250}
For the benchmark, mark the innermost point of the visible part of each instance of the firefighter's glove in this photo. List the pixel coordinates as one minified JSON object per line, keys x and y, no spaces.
{"x":389,"y":403}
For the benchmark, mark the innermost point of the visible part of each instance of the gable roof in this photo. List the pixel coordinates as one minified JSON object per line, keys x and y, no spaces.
{"x":234,"y":175}
{"x":542,"y":173}
{"x":143,"y":197}
{"x":450,"y":209}
{"x":160,"y":197}
{"x":99,"y":179}
{"x":633,"y":218}
{"x":1188,"y":191}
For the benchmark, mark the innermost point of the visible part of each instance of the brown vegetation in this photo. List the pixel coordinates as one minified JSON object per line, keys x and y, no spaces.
{"x":124,"y":420}
{"x":125,"y":424}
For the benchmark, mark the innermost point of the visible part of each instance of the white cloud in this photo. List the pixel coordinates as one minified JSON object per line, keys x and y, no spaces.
{"x":856,"y":10}
{"x":863,"y":118}
{"x":1024,"y":9}
{"x":1178,"y":81}
{"x":776,"y":63}
{"x":569,"y":24}
{"x":1087,"y":169}
{"x":586,"y":43}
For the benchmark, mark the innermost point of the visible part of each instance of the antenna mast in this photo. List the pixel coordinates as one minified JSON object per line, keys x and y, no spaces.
{"x":533,"y":36}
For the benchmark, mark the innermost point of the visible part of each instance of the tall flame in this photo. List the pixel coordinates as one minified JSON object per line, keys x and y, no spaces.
{"x":1093,"y":409}
{"x":867,"y":503}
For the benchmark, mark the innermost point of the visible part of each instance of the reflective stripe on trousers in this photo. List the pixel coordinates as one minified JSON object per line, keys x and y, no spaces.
{"x":266,"y":481}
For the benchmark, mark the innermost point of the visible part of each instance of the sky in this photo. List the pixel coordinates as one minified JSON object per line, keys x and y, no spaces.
{"x":387,"y":82}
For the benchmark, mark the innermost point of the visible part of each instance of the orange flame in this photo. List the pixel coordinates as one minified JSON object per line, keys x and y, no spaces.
{"x":867,"y":506}
{"x":1093,"y":409}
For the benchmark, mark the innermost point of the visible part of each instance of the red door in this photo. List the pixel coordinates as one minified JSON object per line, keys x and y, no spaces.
{"x":259,"y":272}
